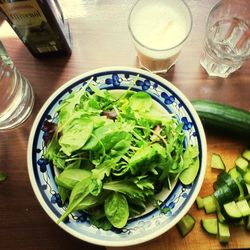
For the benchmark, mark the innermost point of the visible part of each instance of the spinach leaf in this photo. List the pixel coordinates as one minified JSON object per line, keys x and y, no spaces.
{"x":78,"y":194}
{"x":64,"y":193}
{"x":116,"y":209}
{"x":70,"y":177}
{"x":98,"y":218}
{"x":75,"y":134}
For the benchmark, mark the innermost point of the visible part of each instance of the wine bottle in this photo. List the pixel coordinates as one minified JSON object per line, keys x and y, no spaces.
{"x":40,"y":25}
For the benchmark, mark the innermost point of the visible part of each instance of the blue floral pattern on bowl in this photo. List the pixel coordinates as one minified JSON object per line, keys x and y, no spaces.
{"x":151,"y":224}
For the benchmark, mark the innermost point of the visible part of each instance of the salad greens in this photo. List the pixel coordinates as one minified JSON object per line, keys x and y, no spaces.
{"x":3,"y":176}
{"x":114,"y":152}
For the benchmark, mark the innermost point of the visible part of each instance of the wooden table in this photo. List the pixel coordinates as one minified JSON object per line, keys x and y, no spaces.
{"x":100,"y":38}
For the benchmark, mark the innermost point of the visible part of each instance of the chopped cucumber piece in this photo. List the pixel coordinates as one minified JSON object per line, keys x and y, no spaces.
{"x":210,"y":204}
{"x":186,"y":224}
{"x":223,"y":195}
{"x":241,"y":164}
{"x":217,"y":162}
{"x":226,"y":178}
{"x":239,"y":223}
{"x":199,"y":202}
{"x":243,"y":185}
{"x":223,"y":232}
{"x":246,"y":154}
{"x":232,"y":210}
{"x":247,"y":177}
{"x":247,"y":223}
{"x":210,"y":225}
{"x":243,"y":207}
{"x":221,"y":217}
{"x":234,"y":174}
{"x":248,"y":190}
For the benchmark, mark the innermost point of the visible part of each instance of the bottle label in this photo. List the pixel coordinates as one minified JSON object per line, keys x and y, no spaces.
{"x":31,"y":25}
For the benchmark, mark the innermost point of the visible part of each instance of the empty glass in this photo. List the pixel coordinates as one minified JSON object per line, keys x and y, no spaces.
{"x":227,"y":38}
{"x":16,"y":94}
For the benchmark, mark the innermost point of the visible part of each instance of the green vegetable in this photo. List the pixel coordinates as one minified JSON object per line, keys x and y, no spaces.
{"x":243,"y":207}
{"x":116,"y":209}
{"x":199,"y":202}
{"x":222,"y":116}
{"x":232,"y":210}
{"x":246,"y":154}
{"x":231,"y":199}
{"x":70,"y":177}
{"x":186,"y":224}
{"x":247,"y":224}
{"x":210,"y":204}
{"x":114,"y":152}
{"x":241,"y":164}
{"x":224,"y":233}
{"x":210,"y":225}
{"x":3,"y":176}
{"x":225,"y":178}
{"x":247,"y":177}
{"x":217,"y":162}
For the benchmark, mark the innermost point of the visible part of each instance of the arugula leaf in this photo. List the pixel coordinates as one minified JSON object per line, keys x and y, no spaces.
{"x":146,"y":158}
{"x":104,"y":168}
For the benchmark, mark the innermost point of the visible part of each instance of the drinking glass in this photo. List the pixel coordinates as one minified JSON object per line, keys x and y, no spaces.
{"x":159,"y":30}
{"x":227,"y":38}
{"x":16,"y":94}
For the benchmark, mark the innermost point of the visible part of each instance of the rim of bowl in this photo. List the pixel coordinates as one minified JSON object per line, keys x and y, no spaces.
{"x":157,"y":232}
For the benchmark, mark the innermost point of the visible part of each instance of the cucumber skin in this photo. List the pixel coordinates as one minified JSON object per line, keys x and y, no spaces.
{"x":223,"y":116}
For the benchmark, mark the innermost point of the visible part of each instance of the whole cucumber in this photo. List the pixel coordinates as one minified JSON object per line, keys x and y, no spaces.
{"x":223,"y":116}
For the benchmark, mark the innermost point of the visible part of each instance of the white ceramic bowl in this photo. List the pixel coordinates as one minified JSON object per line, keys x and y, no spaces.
{"x":152,"y":223}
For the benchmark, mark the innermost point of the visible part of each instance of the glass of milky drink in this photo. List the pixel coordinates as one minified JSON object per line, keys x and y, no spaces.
{"x":159,"y":30}
{"x":227,"y":38}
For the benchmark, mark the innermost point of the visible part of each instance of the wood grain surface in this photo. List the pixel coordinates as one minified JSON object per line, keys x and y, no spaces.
{"x":100,"y":38}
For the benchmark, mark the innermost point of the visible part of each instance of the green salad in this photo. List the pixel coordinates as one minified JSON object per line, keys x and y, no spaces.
{"x":114,"y":152}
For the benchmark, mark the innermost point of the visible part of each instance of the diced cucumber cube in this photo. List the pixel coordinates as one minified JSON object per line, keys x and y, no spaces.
{"x":186,"y":224}
{"x":221,"y":217}
{"x":232,"y":210}
{"x":243,"y":207}
{"x":210,"y":204}
{"x":217,"y":162}
{"x":246,"y":154}
{"x":247,"y":177}
{"x":199,"y":202}
{"x":247,"y":223}
{"x":210,"y":225}
{"x":223,"y":232}
{"x":241,"y":163}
